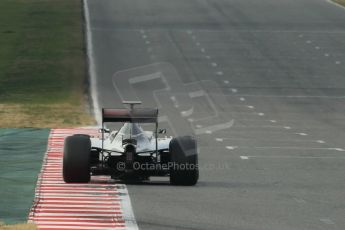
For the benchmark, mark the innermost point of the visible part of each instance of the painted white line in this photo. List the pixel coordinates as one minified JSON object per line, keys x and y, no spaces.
{"x":219,"y":139}
{"x":214,"y":128}
{"x":143,"y":78}
{"x":337,"y":62}
{"x":301,"y":35}
{"x":250,"y":106}
{"x":189,"y":32}
{"x":198,"y":126}
{"x":308,"y":42}
{"x":234,"y":90}
{"x":214,"y":64}
{"x":92,"y":66}
{"x":144,"y":36}
{"x":287,"y":127}
{"x":321,"y":141}
{"x":231,"y":147}
{"x":273,"y":121}
{"x":261,"y":114}
{"x":220,"y":73}
{"x":202,"y":50}
{"x":242,"y":99}
{"x":127,"y":209}
{"x":226,"y":82}
{"x":208,"y":57}
{"x":338,"y":149}
{"x":197,"y":44}
{"x":187,"y":113}
{"x":148,"y":42}
{"x":326,"y":55}
{"x":302,"y":134}
{"x":190,"y":119}
{"x":244,"y":157}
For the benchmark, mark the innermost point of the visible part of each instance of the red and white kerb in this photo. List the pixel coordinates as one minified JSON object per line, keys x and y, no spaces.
{"x":100,"y":204}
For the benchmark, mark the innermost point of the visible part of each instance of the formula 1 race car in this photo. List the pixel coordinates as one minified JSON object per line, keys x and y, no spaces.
{"x":131,"y":153}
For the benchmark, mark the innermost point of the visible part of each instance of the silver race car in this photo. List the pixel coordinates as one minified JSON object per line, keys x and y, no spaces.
{"x":131,"y":153}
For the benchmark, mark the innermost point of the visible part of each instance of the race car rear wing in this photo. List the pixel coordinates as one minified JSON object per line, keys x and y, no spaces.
{"x":135,"y":115}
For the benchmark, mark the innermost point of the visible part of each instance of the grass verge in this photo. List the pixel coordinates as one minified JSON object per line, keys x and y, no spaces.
{"x":340,"y":2}
{"x":23,"y":226}
{"x":42,"y":64}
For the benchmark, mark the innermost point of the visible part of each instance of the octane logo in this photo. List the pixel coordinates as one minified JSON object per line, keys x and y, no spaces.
{"x":190,"y":105}
{"x":137,"y":166}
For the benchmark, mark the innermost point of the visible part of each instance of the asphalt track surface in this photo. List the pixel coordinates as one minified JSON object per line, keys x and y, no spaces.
{"x":260,"y":84}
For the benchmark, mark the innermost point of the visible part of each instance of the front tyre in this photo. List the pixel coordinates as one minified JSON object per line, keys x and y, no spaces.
{"x":184,"y":159}
{"x":76,"y":159}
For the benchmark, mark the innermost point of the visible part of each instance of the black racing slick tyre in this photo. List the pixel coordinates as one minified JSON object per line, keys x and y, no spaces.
{"x":76,"y":159}
{"x":184,"y":158}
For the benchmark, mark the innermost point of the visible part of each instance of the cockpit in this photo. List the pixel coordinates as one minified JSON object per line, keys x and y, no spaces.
{"x":129,"y":131}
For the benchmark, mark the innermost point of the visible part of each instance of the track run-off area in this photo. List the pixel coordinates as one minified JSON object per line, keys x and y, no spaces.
{"x":100,"y":204}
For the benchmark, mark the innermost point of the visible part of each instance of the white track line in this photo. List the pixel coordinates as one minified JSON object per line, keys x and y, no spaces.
{"x":92,"y":66}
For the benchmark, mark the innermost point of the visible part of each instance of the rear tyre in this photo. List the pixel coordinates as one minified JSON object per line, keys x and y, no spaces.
{"x":184,"y":159}
{"x":76,"y":159}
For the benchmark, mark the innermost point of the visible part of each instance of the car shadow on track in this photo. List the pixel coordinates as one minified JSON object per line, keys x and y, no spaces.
{"x":153,"y":183}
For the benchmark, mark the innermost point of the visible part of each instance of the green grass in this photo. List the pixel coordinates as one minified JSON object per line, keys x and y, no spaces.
{"x":42,"y":60}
